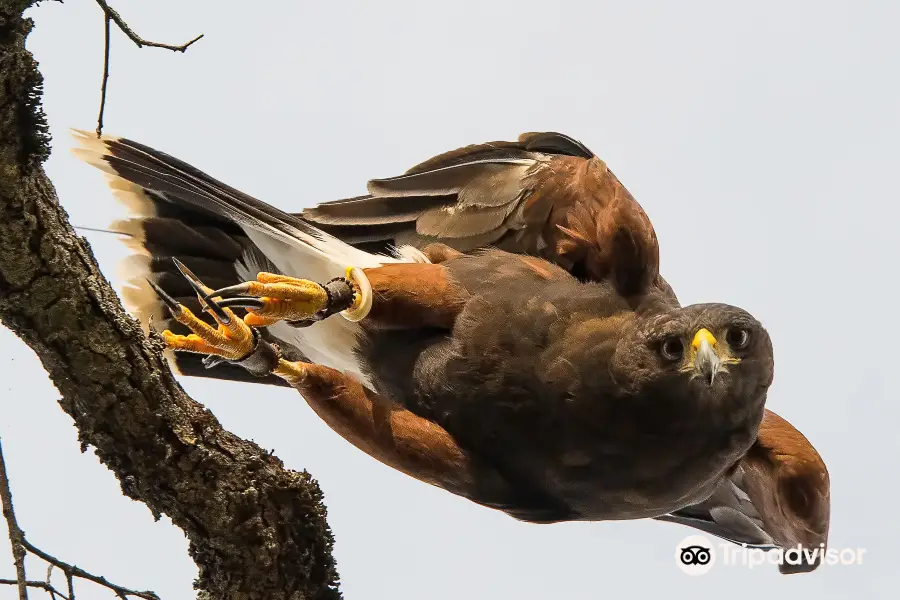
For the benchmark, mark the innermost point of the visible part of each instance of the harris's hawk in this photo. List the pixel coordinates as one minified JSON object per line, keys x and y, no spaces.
{"x":548,"y":195}
{"x":227,"y":236}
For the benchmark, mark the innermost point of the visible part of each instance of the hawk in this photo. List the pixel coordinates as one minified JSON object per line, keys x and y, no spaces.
{"x":548,"y":195}
{"x":445,"y":337}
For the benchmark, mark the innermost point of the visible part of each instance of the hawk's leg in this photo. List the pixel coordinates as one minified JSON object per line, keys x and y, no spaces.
{"x":381,"y":428}
{"x":398,"y":295}
{"x":385,"y":430}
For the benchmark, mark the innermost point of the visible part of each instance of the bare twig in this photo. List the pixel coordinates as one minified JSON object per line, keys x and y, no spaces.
{"x":138,"y":40}
{"x":20,"y":545}
{"x":43,"y":585}
{"x":105,"y":77}
{"x":111,"y":15}
{"x":50,"y":589}
{"x":73,"y":571}
{"x":16,"y":535}
{"x":70,"y":583}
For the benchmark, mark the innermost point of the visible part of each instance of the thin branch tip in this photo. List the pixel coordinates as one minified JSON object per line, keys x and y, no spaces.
{"x":110,"y":15}
{"x":134,"y":37}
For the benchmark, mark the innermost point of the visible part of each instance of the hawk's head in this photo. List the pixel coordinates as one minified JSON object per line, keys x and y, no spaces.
{"x":712,"y":356}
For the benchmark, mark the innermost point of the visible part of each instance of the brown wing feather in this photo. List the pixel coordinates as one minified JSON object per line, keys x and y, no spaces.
{"x":788,"y":483}
{"x":462,"y":222}
{"x":450,"y":180}
{"x":370,"y":210}
{"x":544,"y":195}
{"x":449,"y":171}
{"x":472,"y":152}
{"x":459,"y":201}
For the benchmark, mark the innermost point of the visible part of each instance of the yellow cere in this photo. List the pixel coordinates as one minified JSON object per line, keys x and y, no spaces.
{"x":701,"y":336}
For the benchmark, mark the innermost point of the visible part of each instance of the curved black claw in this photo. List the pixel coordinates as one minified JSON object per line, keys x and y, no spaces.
{"x":243,"y":302}
{"x":172,"y":304}
{"x":201,"y":292}
{"x":232,"y":290}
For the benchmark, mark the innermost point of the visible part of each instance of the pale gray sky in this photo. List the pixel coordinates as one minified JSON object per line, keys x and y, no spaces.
{"x":761,"y":138}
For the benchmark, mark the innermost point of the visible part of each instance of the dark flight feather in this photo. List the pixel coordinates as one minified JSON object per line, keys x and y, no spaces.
{"x":551,"y":142}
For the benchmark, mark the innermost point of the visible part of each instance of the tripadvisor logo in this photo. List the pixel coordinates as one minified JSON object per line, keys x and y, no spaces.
{"x":696,"y":555}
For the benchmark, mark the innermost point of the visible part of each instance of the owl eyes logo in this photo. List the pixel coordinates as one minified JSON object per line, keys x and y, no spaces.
{"x":695,"y":555}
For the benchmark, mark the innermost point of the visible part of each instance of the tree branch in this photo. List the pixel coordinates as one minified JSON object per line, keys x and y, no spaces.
{"x":255,"y":529}
{"x":21,"y":544}
{"x":54,"y":593}
{"x":111,"y":15}
{"x":105,"y":76}
{"x":138,"y":40}
{"x":72,"y":571}
{"x":16,"y":536}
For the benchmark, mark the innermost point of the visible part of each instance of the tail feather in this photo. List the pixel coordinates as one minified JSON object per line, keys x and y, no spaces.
{"x":224,"y":236}
{"x":175,"y":236}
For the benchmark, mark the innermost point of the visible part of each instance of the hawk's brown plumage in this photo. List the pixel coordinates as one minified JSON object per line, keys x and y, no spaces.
{"x":586,"y":221}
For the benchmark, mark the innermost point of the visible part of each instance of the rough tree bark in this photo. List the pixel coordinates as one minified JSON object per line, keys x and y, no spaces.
{"x":256,"y":529}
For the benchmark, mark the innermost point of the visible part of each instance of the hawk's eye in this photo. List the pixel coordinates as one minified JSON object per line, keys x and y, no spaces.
{"x":672,"y":348}
{"x":738,"y":338}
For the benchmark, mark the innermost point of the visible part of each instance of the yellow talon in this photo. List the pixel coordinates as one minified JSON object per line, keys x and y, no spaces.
{"x":232,"y":341}
{"x":272,"y":297}
{"x":283,"y":299}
